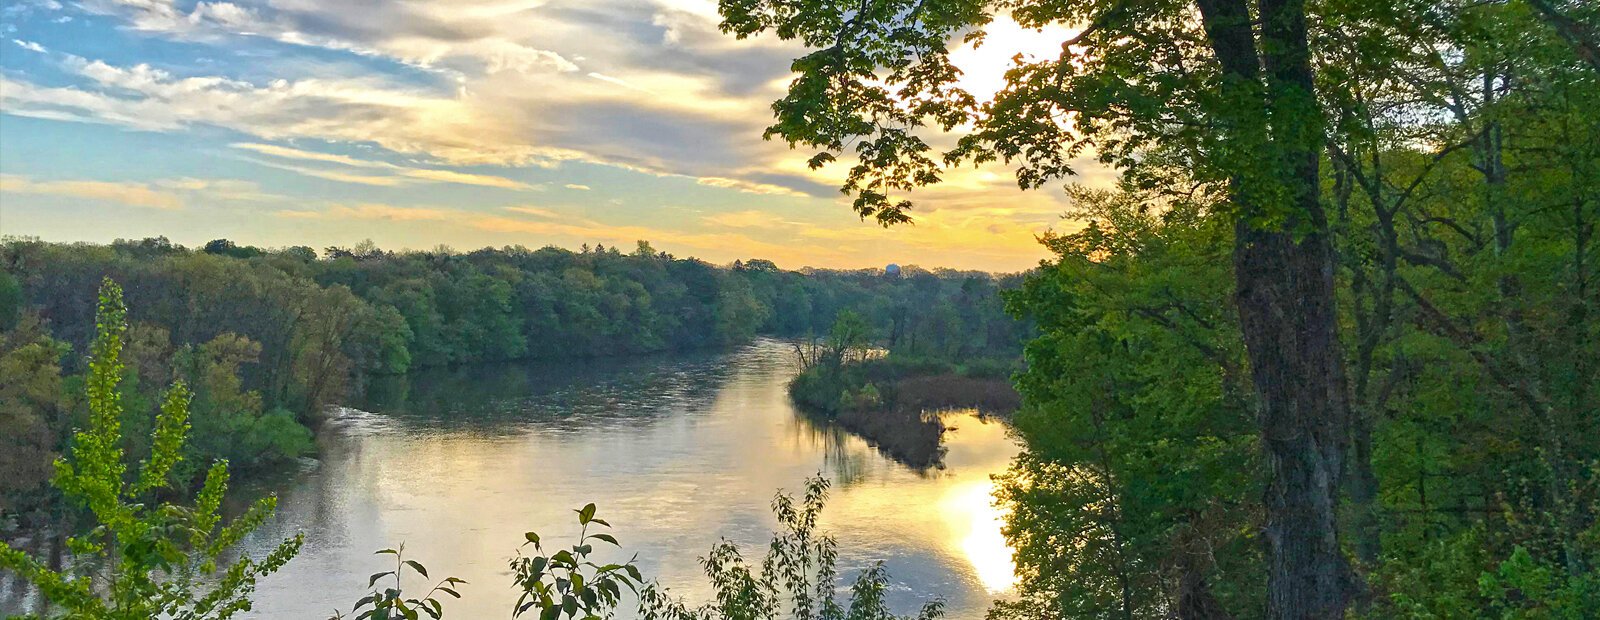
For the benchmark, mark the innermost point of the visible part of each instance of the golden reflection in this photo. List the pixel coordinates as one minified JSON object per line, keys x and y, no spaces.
{"x":979,"y":538}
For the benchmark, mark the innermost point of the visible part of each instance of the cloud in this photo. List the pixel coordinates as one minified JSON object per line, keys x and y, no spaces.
{"x":749,"y":187}
{"x":219,"y":189}
{"x":534,"y":211}
{"x":132,"y":194}
{"x":331,"y":175}
{"x":393,"y":172}
{"x":166,"y":194}
{"x":372,"y":211}
{"x":576,"y":186}
{"x":751,"y":218}
{"x":30,"y":46}
{"x":396,"y":118}
{"x":450,"y":176}
{"x":293,"y":153}
{"x":516,"y":95}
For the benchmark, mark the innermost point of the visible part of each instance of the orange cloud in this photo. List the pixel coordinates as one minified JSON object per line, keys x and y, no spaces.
{"x":133,"y":194}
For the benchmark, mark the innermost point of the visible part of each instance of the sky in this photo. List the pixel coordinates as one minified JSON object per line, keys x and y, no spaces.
{"x":466,"y":123}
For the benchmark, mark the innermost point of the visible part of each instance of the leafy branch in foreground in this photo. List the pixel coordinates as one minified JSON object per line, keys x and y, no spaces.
{"x":144,"y":558}
{"x":797,"y":579}
{"x":567,"y":583}
{"x":390,"y":603}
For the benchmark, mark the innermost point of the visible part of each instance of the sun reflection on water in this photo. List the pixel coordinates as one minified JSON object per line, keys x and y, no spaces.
{"x":978,"y":535}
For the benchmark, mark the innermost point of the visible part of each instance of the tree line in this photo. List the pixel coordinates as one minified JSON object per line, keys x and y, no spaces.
{"x":266,"y":339}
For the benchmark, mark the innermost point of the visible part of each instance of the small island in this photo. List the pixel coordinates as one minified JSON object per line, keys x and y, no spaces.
{"x":894,"y":400}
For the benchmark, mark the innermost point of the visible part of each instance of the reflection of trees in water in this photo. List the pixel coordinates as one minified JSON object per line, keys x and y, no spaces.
{"x":848,"y":456}
{"x":841,"y":452}
{"x":507,"y":397}
{"x":501,"y":399}
{"x":17,"y":595}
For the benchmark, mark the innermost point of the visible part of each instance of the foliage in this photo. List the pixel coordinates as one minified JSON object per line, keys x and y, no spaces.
{"x":845,"y":373}
{"x":1140,"y":450}
{"x":32,"y":411}
{"x":391,"y":602}
{"x":144,"y":558}
{"x":567,"y":584}
{"x":796,"y":580}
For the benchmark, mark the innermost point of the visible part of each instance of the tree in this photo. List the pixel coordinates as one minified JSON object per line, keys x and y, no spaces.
{"x":10,"y":300}
{"x":1140,"y":450}
{"x":1173,"y":94}
{"x":33,"y":410}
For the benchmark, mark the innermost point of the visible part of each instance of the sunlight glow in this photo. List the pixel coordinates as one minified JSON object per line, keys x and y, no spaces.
{"x":983,"y":67}
{"x":980,"y":539}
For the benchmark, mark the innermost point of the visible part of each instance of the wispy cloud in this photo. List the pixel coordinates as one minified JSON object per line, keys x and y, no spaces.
{"x":375,"y":180}
{"x":534,"y":211}
{"x":158,"y":194}
{"x":294,"y":153}
{"x":392,"y":174}
{"x":751,"y":218}
{"x":464,"y":178}
{"x":576,"y":186}
{"x":132,"y":194}
{"x":514,"y":72}
{"x":372,"y":211}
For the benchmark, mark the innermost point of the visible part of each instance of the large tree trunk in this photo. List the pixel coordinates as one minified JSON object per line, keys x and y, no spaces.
{"x":1283,"y":270}
{"x":1285,"y":300}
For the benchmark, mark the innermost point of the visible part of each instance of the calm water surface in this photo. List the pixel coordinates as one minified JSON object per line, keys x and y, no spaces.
{"x":676,"y":451}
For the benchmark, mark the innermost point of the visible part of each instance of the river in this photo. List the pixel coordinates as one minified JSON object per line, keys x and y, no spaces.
{"x":677,"y":451}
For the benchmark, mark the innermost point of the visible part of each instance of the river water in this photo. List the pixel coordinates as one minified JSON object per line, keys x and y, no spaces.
{"x":677,"y":451}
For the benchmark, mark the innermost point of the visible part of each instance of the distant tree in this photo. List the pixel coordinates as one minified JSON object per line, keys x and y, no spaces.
{"x":220,"y":246}
{"x":33,"y":410}
{"x":228,"y":248}
{"x":300,"y":253}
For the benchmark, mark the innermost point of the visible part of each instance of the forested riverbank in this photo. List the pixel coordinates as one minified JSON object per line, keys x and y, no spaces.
{"x":268,"y":338}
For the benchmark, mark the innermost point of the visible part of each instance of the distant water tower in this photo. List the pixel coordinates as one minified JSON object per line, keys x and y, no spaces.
{"x":892,"y":270}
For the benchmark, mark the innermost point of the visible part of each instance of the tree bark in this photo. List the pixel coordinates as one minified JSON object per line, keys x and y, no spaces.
{"x":1283,"y":270}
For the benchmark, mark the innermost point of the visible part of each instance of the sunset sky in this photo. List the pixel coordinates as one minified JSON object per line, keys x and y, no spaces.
{"x":466,"y":123}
